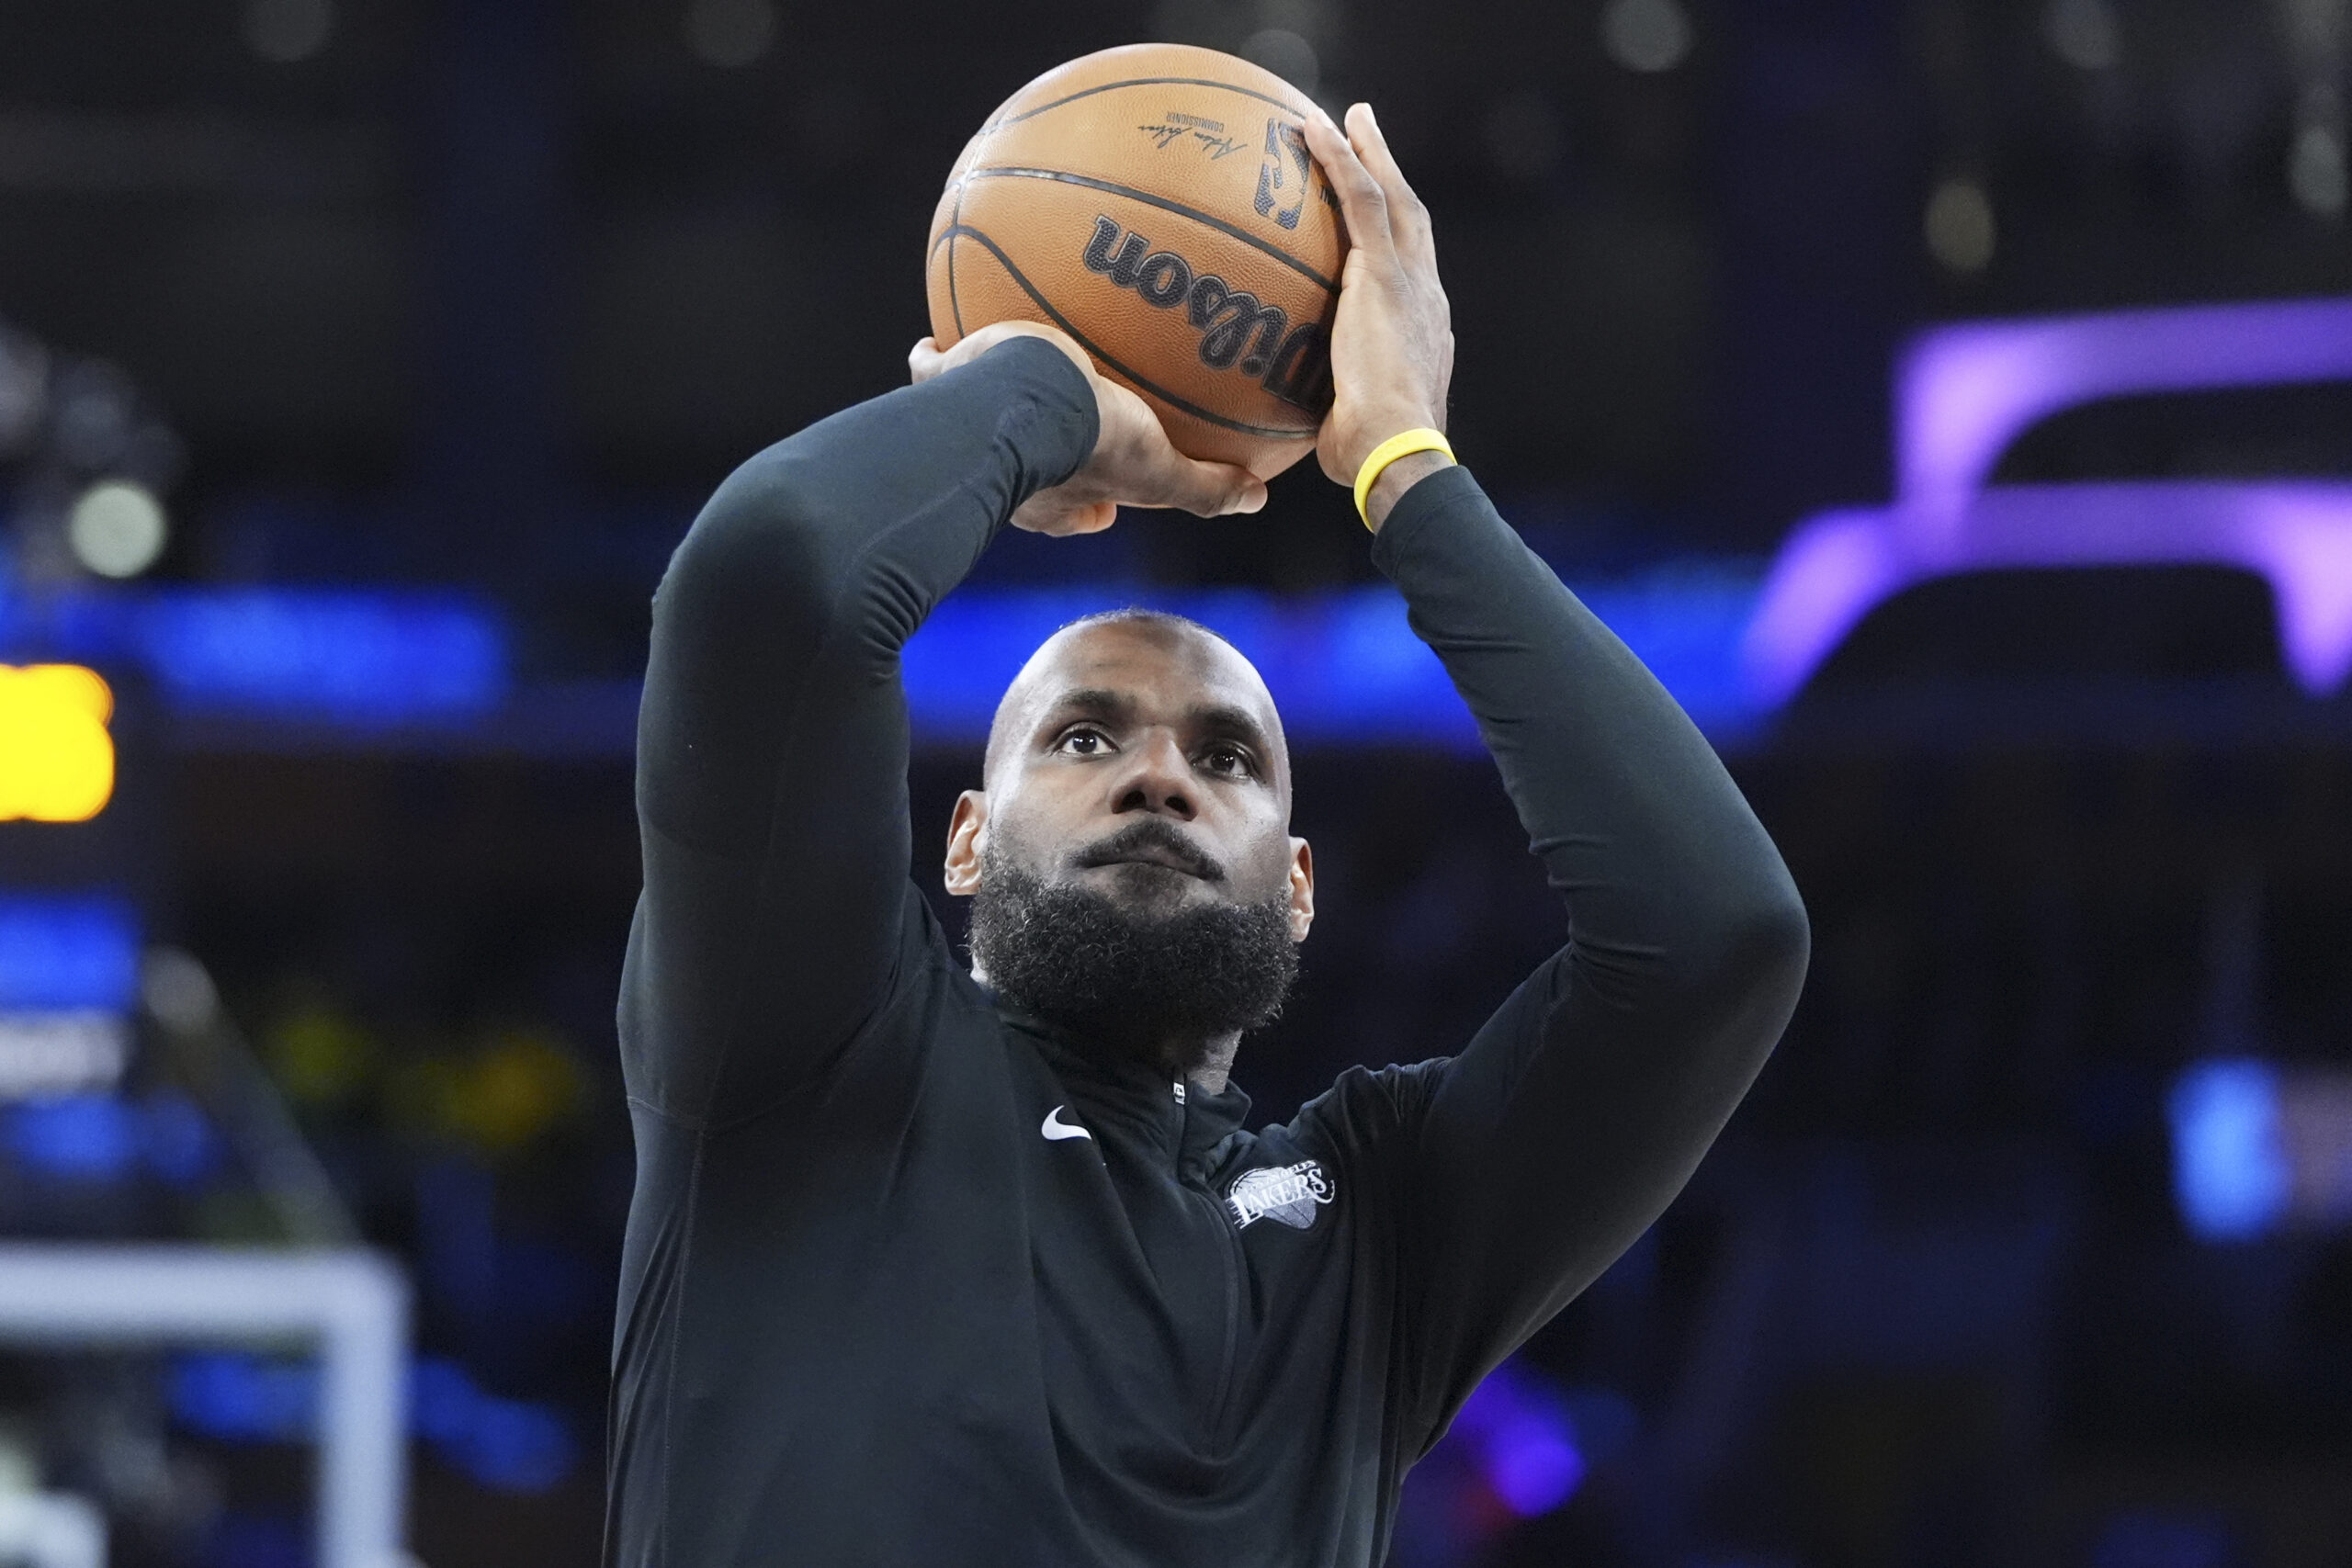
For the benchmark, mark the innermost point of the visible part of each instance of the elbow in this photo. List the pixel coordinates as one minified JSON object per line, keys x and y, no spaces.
{"x":1776,"y":931}
{"x":755,"y":556}
{"x":1759,"y":945}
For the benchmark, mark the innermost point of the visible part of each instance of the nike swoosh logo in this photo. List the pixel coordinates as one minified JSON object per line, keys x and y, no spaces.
{"x":1055,"y":1127}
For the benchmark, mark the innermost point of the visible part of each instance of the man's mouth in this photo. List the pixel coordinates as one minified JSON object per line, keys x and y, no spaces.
{"x":1152,"y":844}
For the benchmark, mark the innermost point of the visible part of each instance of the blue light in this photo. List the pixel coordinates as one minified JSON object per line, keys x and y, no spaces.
{"x":67,"y":951}
{"x":234,"y":1396}
{"x":2230,"y":1172}
{"x":79,"y":1137}
{"x":2146,"y":1538}
{"x":515,"y":1446}
{"x":1685,"y":620}
{"x":441,"y":1400}
{"x":1342,"y":667}
{"x":508,"y":1444}
{"x":365,"y":658}
{"x":259,"y":1540}
{"x":361,"y":658}
{"x":95,"y":1137}
{"x":178,"y":1142}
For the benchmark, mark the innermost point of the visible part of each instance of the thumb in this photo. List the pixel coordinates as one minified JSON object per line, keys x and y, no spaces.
{"x":1211,"y":490}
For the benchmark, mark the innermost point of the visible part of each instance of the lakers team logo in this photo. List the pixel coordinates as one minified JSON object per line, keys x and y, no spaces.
{"x":1288,"y":1194}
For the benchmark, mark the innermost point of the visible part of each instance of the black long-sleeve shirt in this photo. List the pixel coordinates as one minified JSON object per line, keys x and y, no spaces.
{"x":878,"y":1305}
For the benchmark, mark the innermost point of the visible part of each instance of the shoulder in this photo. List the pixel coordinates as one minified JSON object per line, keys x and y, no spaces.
{"x":1366,"y":1112}
{"x":894,"y":1055}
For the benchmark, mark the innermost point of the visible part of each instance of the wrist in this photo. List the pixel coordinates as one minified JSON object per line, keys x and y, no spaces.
{"x":1379,"y":427}
{"x":1396,"y":480}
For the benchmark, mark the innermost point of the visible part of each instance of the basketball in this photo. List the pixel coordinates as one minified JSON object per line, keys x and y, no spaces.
{"x":1158,"y":203}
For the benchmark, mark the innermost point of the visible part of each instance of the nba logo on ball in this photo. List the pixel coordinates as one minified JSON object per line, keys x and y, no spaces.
{"x":1158,"y":203}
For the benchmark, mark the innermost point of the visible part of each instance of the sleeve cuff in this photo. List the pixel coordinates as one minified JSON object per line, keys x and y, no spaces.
{"x":1430,"y":497}
{"x":1073,"y":422}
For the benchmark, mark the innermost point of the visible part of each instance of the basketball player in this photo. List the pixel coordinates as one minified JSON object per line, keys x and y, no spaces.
{"x":945,"y":1269}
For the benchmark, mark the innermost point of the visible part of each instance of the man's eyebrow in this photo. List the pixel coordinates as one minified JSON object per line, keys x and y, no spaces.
{"x":1222,"y":718}
{"x":1090,"y":701}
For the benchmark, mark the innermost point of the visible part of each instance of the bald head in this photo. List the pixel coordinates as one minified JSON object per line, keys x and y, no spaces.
{"x":1130,"y":849}
{"x":1137,"y":658}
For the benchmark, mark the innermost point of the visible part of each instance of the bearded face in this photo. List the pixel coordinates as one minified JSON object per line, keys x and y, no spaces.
{"x":1134,"y":966}
{"x":1129,"y":859}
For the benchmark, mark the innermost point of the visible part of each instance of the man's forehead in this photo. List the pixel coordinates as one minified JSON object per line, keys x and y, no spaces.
{"x":1153,"y":662}
{"x":1137,"y":653}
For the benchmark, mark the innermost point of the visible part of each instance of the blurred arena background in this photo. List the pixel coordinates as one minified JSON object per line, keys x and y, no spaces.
{"x":1952,"y":399}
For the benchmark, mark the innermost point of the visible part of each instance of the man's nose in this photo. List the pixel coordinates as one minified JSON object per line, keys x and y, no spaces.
{"x":1156,"y":779}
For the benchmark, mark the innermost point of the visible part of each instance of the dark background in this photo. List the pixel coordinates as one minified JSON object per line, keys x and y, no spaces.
{"x":491,"y":293}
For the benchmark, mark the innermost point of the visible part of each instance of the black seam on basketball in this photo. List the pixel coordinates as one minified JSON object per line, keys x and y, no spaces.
{"x":955,"y":308}
{"x":1178,"y":207}
{"x":1145,"y":82}
{"x":1279,"y":433}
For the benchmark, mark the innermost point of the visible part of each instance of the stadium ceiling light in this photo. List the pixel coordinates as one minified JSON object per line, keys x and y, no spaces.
{"x":284,"y":32}
{"x":2084,"y":33}
{"x":2315,"y":171}
{"x":117,"y":528}
{"x":1960,"y":228}
{"x":1648,"y":36}
{"x":730,"y":34}
{"x":1287,"y":54}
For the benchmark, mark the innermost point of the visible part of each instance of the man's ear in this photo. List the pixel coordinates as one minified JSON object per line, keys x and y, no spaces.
{"x":967,"y":837}
{"x":1301,"y":889}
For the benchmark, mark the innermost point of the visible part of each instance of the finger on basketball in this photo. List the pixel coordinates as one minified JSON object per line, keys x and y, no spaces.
{"x":1054,"y":515}
{"x":1361,"y":202}
{"x":924,"y":361}
{"x":1408,"y":220}
{"x":1210,"y":490}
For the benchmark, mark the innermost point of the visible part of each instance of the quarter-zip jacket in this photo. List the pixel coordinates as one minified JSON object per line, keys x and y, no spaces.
{"x":913,"y":1280}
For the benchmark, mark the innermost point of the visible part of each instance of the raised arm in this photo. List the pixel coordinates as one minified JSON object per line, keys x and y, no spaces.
{"x":772,"y":745}
{"x":1541,"y":1151}
{"x":1520,"y":1168}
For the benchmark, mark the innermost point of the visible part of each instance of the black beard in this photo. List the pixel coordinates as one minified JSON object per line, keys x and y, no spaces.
{"x":1161,"y":987}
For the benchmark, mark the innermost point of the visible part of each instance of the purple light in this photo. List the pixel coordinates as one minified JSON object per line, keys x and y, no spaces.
{"x":1828,"y":575}
{"x":1534,"y":1467}
{"x":1965,"y":392}
{"x":2298,"y":537}
{"x":1525,"y":1444}
{"x":2306,"y":535}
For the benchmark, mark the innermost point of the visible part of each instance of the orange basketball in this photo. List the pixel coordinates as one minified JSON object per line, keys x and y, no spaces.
{"x":1158,"y":203}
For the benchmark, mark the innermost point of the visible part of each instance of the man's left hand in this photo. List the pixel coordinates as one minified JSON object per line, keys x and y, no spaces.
{"x":1132,"y":464}
{"x":1392,"y":345}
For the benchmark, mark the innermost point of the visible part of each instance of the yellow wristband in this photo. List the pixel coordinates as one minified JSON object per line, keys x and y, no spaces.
{"x":1387,"y":452}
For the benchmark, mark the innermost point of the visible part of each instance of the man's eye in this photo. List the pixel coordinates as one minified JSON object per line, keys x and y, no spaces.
{"x":1230,"y":761}
{"x":1082,"y":743}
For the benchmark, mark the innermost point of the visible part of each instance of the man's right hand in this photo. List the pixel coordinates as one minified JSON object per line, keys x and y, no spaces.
{"x":1132,"y":463}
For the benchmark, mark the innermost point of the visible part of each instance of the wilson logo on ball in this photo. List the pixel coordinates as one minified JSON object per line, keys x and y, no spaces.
{"x":1293,"y":363}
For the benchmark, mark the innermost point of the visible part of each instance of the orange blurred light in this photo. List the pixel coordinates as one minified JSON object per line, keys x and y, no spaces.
{"x":56,"y":758}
